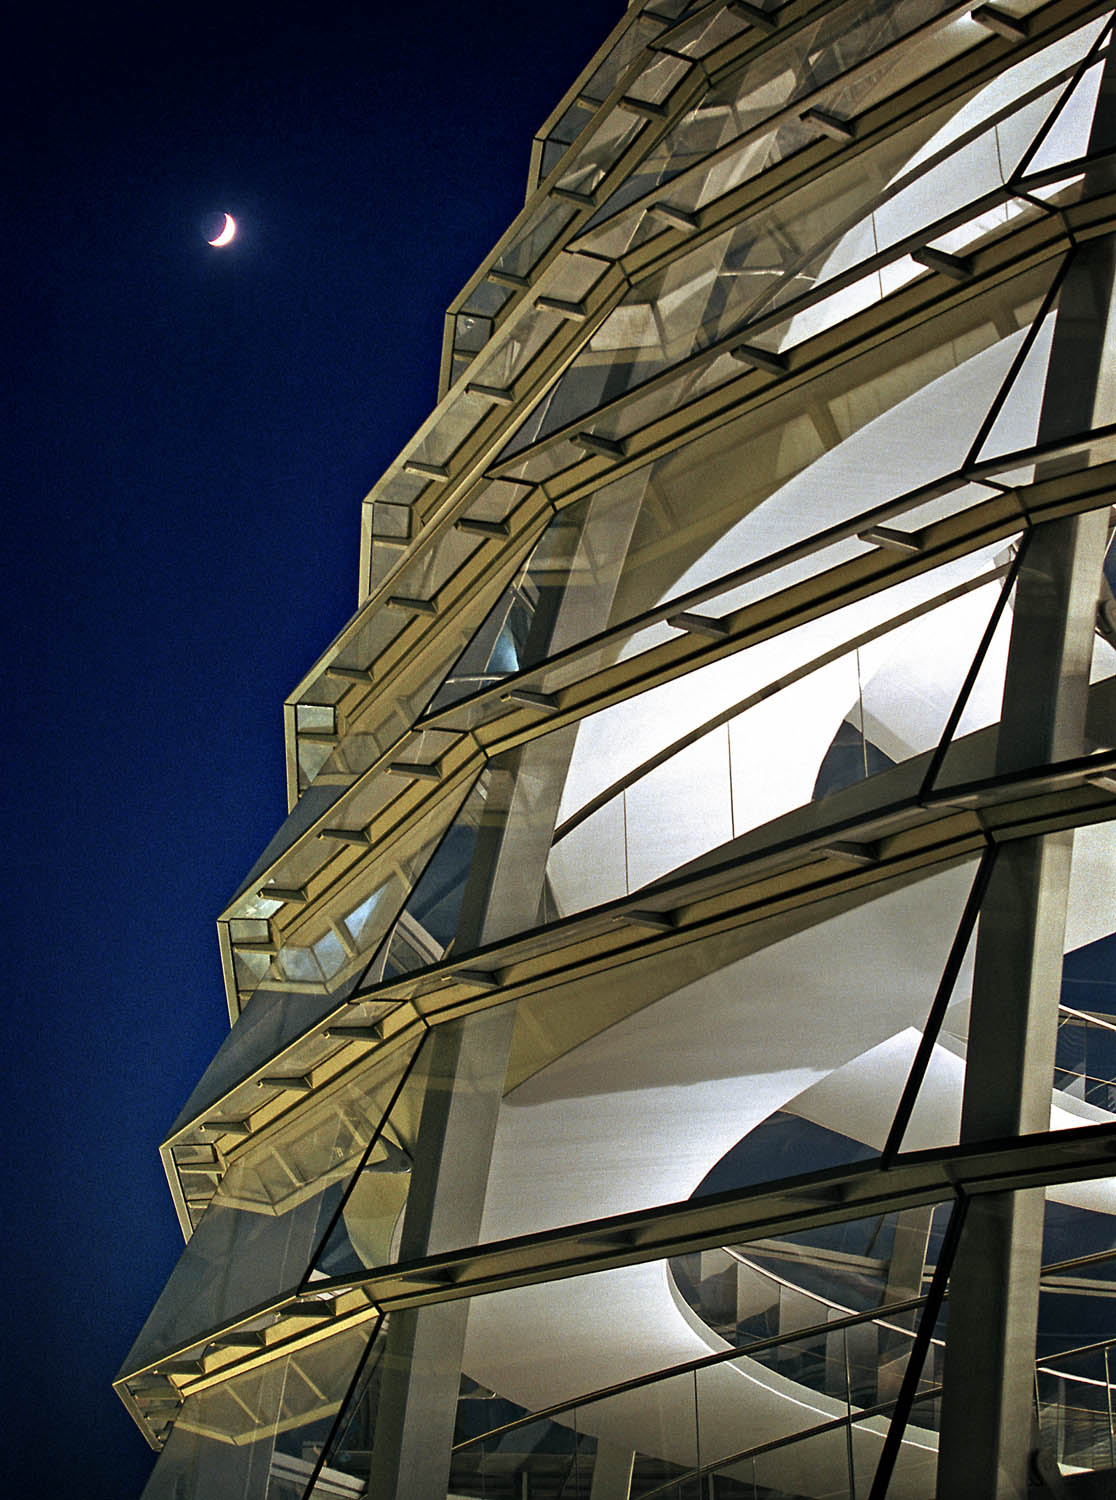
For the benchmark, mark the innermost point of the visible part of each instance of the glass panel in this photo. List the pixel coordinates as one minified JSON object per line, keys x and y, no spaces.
{"x":633,"y":1375}
{"x":345,"y":1462}
{"x":548,"y":220}
{"x":366,"y":1224}
{"x":1085,"y":1060}
{"x":658,"y":79}
{"x":756,"y":725}
{"x":322,"y":941}
{"x":382,"y":717}
{"x":1068,"y":136}
{"x":748,"y":122}
{"x":259,"y":1434}
{"x":779,"y":255}
{"x":438,"y":1131}
{"x":708,"y":30}
{"x":742,"y":587}
{"x":615,"y":132}
{"x":486,"y":299}
{"x":1017,"y":422}
{"x":1076,"y":1347}
{"x":681,"y":1079}
{"x":1104,"y":648}
{"x":971,"y":154}
{"x":429,"y":923}
{"x":538,"y":1408}
{"x":736,"y":744}
{"x":638,"y":1086}
{"x":774,"y":259}
{"x":832,"y":419}
{"x":272,"y":1206}
{"x":270,"y":1020}
{"x":803,"y":474}
{"x":559,"y":595}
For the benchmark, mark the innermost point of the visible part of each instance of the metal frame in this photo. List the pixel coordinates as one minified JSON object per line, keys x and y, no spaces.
{"x":466,"y":517}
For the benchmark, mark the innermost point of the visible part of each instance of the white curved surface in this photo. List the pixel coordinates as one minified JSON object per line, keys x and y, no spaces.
{"x":638,"y":1115}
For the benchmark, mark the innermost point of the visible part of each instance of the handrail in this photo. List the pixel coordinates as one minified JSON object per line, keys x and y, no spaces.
{"x":782,"y":1281}
{"x":833,"y":1425}
{"x":689,"y":1366}
{"x":1090,"y":1020}
{"x":747,"y":1351}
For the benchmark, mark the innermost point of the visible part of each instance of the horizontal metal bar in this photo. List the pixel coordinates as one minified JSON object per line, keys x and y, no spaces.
{"x":687,"y":1367}
{"x":781,"y":1208}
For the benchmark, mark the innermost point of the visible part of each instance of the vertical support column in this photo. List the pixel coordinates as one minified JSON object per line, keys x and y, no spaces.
{"x":987,"y":1407}
{"x":467,"y":1066}
{"x":421,"y":1378}
{"x":464,"y":1078}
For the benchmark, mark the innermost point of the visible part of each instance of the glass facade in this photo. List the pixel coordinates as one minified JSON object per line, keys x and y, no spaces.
{"x":674,"y":1031}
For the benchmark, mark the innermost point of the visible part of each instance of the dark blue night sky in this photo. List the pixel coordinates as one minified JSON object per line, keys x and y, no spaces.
{"x":191,"y":433}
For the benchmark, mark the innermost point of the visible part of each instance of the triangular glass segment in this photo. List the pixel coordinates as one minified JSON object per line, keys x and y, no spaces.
{"x":270,"y":1020}
{"x":273,"y":1204}
{"x":1016,"y":425}
{"x":563,"y":593}
{"x":367,"y":1220}
{"x":971,"y":751}
{"x":258,"y":1434}
{"x":517,"y":628}
{"x":385,"y":1213}
{"x":344,"y":1463}
{"x":424,"y":931}
{"x":327,"y":954}
{"x":313,"y":972}
{"x":934,"y":1117}
{"x":1068,"y":137}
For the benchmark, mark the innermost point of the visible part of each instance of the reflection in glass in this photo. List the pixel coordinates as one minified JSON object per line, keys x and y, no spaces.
{"x":260,"y":1433}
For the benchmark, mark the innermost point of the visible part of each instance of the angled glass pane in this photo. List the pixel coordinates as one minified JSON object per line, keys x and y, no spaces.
{"x":440,"y":1123}
{"x":1104,"y":650}
{"x":682,"y":1073}
{"x":1016,"y":425}
{"x":801,"y":476}
{"x":646,"y":1088}
{"x":705,"y":295}
{"x":311,"y":805}
{"x":270,"y":1020}
{"x":778,"y":1360}
{"x":969,"y":158}
{"x":731,"y":127}
{"x":427,"y":927}
{"x":535,"y":1382}
{"x":259,"y":1434}
{"x":365,"y":1227}
{"x":320,"y":935}
{"x":343,"y":1463}
{"x":273,"y":1204}
{"x":1067,"y":136}
{"x":546,"y":221}
{"x":561,"y":594}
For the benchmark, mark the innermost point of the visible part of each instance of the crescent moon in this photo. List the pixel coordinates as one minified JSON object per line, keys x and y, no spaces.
{"x":227,"y":233}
